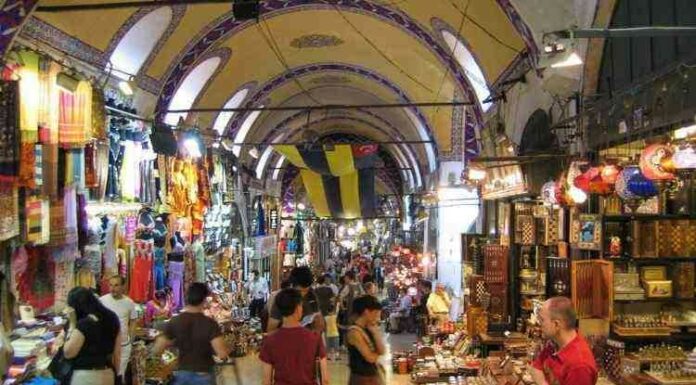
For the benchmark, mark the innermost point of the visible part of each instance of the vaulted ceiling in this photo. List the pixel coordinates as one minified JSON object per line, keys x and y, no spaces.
{"x":309,"y":52}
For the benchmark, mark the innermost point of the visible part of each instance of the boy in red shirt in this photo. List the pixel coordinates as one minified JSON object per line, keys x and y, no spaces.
{"x":566,"y":359}
{"x":289,"y":354}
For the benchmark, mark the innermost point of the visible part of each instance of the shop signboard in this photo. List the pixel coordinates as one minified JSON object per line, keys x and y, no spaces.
{"x":504,"y":182}
{"x":274,"y":219}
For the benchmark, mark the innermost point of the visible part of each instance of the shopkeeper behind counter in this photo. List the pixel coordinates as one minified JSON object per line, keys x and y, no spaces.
{"x":566,"y":359}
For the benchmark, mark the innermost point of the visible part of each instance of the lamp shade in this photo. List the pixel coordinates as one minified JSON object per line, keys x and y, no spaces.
{"x":656,"y":162}
{"x":548,"y":193}
{"x":622,"y":182}
{"x":641,"y":186}
{"x":684,"y":156}
{"x":610,"y":173}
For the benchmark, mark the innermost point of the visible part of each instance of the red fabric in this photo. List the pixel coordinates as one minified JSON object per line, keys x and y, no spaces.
{"x":141,"y":277}
{"x":36,"y":283}
{"x":572,"y":365}
{"x":292,"y":352}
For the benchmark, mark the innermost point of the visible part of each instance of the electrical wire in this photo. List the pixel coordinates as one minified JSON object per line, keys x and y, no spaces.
{"x":273,"y":45}
{"x":379,"y":51}
{"x":454,"y":49}
{"x":484,"y":29}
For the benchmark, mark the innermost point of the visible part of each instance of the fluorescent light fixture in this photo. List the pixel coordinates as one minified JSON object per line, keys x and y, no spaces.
{"x":301,"y":206}
{"x":126,"y":87}
{"x":568,"y":59}
{"x":192,"y":148}
{"x":254,"y":152}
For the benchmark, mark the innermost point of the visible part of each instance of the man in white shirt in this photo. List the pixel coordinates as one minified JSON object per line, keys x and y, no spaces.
{"x":258,"y":293}
{"x":124,"y":307}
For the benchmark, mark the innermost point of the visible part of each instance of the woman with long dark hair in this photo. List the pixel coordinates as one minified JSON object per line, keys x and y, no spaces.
{"x":93,"y":342}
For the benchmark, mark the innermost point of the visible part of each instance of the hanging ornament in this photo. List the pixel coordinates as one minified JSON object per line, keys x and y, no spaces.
{"x":610,"y":173}
{"x":656,"y":162}
{"x":548,"y":193}
{"x":641,"y":186}
{"x":622,"y":182}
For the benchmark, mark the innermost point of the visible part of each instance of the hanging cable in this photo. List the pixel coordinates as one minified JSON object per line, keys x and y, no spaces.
{"x":482,"y":28}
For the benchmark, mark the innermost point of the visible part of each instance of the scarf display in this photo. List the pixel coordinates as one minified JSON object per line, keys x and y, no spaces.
{"x":9,"y":133}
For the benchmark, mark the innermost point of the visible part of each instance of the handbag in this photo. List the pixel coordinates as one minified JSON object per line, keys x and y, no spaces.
{"x":61,"y":368}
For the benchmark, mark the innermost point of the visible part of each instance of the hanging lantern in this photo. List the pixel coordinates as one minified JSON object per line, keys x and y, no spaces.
{"x":582,"y":182}
{"x":610,"y":173}
{"x":548,"y":193}
{"x":684,"y":156}
{"x":641,"y":186}
{"x":622,"y":182}
{"x":577,"y":195}
{"x":656,"y":162}
{"x":591,"y":182}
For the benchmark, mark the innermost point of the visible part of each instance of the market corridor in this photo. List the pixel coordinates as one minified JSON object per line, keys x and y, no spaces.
{"x":250,"y":366}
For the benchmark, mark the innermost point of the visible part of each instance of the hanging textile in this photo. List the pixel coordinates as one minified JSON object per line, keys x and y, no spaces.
{"x":9,"y":131}
{"x":260,"y":229}
{"x":37,"y":217}
{"x":158,"y":271}
{"x":75,"y":116}
{"x":339,"y":179}
{"x":141,"y":279}
{"x":9,"y":213}
{"x":64,"y":282}
{"x":98,"y":114}
{"x":36,"y":284}
{"x":176,"y":283}
{"x":50,"y":169}
{"x":299,"y":240}
{"x":64,"y":218}
{"x":28,"y":116}
{"x":48,"y":116}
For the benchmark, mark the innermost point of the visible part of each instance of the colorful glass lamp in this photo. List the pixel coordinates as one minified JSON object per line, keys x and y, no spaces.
{"x":657,"y":165}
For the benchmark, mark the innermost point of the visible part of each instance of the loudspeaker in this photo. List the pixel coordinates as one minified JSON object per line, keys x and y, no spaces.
{"x":245,"y":9}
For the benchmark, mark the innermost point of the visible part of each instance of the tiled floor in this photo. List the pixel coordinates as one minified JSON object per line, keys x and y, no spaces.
{"x":250,"y":368}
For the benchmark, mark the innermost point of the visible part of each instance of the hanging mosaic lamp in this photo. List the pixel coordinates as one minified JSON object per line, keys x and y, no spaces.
{"x":656,"y":162}
{"x":641,"y":186}
{"x":548,"y":193}
{"x":684,"y":156}
{"x":610,"y":173}
{"x":622,"y":182}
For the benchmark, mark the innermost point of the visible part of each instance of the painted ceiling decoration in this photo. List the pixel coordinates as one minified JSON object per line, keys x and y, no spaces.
{"x":316,"y":41}
{"x":199,"y":56}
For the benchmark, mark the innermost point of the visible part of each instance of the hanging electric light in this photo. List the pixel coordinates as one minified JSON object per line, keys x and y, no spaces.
{"x":548,"y":193}
{"x":610,"y":173}
{"x":656,"y":165}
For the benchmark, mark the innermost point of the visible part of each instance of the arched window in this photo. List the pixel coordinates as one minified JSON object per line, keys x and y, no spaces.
{"x":276,"y":172}
{"x":471,"y":68}
{"x":244,"y":130}
{"x":137,"y":44}
{"x":189,"y":89}
{"x":224,"y":117}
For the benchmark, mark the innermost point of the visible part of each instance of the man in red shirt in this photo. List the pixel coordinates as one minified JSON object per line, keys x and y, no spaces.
{"x":566,"y":359}
{"x":289,"y":354}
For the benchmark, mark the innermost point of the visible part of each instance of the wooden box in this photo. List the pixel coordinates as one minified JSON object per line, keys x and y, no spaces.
{"x":476,"y":321}
{"x":684,"y":280}
{"x":658,"y":289}
{"x":653,"y":273}
{"x":592,"y":290}
{"x":525,"y":230}
{"x":644,"y":239}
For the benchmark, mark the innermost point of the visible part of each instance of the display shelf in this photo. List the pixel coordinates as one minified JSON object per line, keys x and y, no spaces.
{"x":645,"y":217}
{"x":653,"y":261}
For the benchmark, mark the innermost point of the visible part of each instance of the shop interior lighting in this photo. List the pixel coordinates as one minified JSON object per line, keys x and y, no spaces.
{"x":193,"y":148}
{"x":351,"y":231}
{"x":254,"y":152}
{"x":476,"y":174}
{"x":301,"y":206}
{"x":578,"y":196}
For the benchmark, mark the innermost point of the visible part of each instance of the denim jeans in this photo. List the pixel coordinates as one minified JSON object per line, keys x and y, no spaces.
{"x":183,"y":377}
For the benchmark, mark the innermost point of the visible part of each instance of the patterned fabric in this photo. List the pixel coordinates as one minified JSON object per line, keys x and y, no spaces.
{"x":36,"y":284}
{"x":48,"y":100}
{"x":9,"y":213}
{"x":37,"y":220}
{"x":65,"y":280}
{"x":50,"y":169}
{"x":9,"y":131}
{"x":98,"y":114}
{"x":141,"y":282}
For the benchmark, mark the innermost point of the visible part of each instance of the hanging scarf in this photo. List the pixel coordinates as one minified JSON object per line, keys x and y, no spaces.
{"x":75,"y":116}
{"x":9,"y":213}
{"x":9,"y":133}
{"x":36,"y":283}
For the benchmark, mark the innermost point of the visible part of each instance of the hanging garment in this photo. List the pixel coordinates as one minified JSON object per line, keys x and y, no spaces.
{"x":142,"y":272}
{"x":75,"y":119}
{"x":158,"y":268}
{"x":50,"y":169}
{"x":190,"y":267}
{"x":49,"y":101}
{"x":9,"y":131}
{"x":199,"y":255}
{"x":29,"y":97}
{"x":113,"y":188}
{"x":109,"y":239}
{"x":98,"y":114}
{"x":176,"y":283}
{"x":65,"y":281}
{"x":130,"y":170}
{"x":92,"y":255}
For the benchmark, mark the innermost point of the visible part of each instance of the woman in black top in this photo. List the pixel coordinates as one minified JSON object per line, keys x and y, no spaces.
{"x":365,"y":343}
{"x":93,"y":343}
